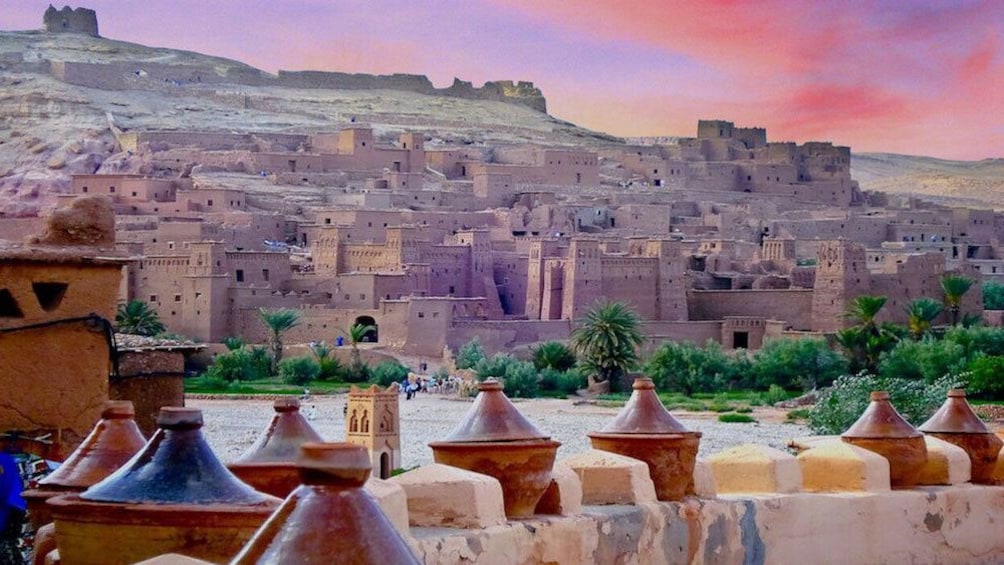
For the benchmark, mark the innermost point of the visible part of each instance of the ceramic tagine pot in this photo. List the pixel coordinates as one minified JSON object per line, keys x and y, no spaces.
{"x":330,"y":518}
{"x":956,"y":423}
{"x":269,"y":465}
{"x":174,"y":496}
{"x":495,"y":439}
{"x":112,"y":442}
{"x":882,"y":430}
{"x":646,"y":431}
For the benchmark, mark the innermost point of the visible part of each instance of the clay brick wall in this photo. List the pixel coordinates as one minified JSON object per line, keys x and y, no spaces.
{"x":791,"y":305}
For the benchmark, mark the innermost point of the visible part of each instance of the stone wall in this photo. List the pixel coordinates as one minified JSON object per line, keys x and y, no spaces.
{"x":791,"y":305}
{"x":79,"y":20}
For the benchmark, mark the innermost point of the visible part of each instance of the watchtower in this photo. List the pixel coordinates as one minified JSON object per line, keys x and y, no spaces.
{"x":372,"y":421}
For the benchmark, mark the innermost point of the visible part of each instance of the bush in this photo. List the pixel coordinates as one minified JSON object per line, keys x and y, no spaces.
{"x":389,"y":372}
{"x":231,"y":366}
{"x":736,"y":419}
{"x":495,"y":366}
{"x":553,"y":355}
{"x":358,"y":372}
{"x":331,"y":368}
{"x":977,"y":340}
{"x":521,"y":380}
{"x":797,"y":363}
{"x":260,"y":363}
{"x":987,"y":375}
{"x":470,"y":354}
{"x":993,"y":295}
{"x":571,"y":381}
{"x":774,"y":395}
{"x":298,"y":370}
{"x":233,"y":343}
{"x":842,"y":404}
{"x":687,"y":368}
{"x":928,"y":360}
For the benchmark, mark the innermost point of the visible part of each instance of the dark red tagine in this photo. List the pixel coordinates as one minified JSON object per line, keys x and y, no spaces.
{"x":112,"y":442}
{"x":330,"y":518}
{"x":956,"y":423}
{"x":646,"y":431}
{"x":495,"y":439}
{"x":881,"y":429}
{"x":174,"y":496}
{"x":269,"y":465}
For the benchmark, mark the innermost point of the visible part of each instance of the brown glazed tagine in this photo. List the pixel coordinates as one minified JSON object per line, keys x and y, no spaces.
{"x":956,"y":423}
{"x":330,"y":518}
{"x":646,"y":431}
{"x":495,"y":439}
{"x":174,"y":496}
{"x":112,"y":442}
{"x":269,"y":465}
{"x":882,"y":430}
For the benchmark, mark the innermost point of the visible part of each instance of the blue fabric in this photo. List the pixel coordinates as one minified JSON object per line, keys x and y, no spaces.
{"x":10,"y":488}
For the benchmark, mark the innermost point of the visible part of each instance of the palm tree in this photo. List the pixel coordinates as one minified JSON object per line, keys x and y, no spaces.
{"x":607,"y":341}
{"x":136,"y":317}
{"x":864,"y":309}
{"x":555,"y":355}
{"x":864,"y":343}
{"x":356,"y":334}
{"x":278,"y":321}
{"x":921,"y":313}
{"x":955,"y":287}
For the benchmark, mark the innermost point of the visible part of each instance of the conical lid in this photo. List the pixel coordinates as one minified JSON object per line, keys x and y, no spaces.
{"x":494,"y":418}
{"x":176,"y":467}
{"x":330,"y":519}
{"x":644,"y":413}
{"x":881,"y":421}
{"x":112,"y":442}
{"x":281,"y":440}
{"x":955,"y":417}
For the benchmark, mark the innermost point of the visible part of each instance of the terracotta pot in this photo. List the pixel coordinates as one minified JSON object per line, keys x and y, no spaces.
{"x":882,"y":430}
{"x":495,"y":439}
{"x":329,"y":515}
{"x":112,"y":442}
{"x":174,"y":496}
{"x":646,"y":431}
{"x":268,"y":465}
{"x":956,"y":423}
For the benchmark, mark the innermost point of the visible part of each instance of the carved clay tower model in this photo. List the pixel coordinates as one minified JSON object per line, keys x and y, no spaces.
{"x":372,"y":421}
{"x":841,"y":275}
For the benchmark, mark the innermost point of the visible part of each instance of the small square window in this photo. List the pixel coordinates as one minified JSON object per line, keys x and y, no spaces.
{"x":153,"y":298}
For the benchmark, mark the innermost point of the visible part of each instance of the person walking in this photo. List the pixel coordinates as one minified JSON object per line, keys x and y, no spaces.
{"x":12,"y":509}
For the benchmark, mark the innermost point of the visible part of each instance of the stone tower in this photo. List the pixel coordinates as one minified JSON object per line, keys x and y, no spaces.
{"x":583,"y":278}
{"x":671,"y":288}
{"x":79,"y":20}
{"x":372,"y":421}
{"x":205,"y":307}
{"x":841,"y":275}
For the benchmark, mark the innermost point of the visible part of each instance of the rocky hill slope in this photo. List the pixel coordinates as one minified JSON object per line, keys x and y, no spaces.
{"x":965,"y":183}
{"x":52,"y":127}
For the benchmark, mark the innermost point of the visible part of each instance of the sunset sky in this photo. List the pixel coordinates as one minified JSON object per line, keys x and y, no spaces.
{"x":906,"y":77}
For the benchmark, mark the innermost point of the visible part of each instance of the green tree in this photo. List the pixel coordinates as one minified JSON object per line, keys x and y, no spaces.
{"x":389,"y":372}
{"x":803,"y":363}
{"x":554,"y":355}
{"x":358,"y":370}
{"x":137,"y":317}
{"x":688,"y":368}
{"x":470,"y":354}
{"x":278,"y":321}
{"x":921,"y":313}
{"x":993,"y":295}
{"x":330,"y":367}
{"x":233,"y":343}
{"x":607,"y":341}
{"x":955,"y":287}
{"x":987,"y":375}
{"x":928,"y":359}
{"x":865,"y":342}
{"x":234,"y":365}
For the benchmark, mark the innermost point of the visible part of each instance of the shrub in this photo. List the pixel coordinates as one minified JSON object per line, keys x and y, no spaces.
{"x":298,"y":370}
{"x":495,"y":366}
{"x":231,"y":366}
{"x":841,"y":405}
{"x":687,"y":368}
{"x":233,"y":343}
{"x":260,"y":363}
{"x":993,"y":295}
{"x":928,"y":360}
{"x":521,"y":380}
{"x":774,"y":395}
{"x":798,"y":414}
{"x":736,"y":419}
{"x":987,"y":375}
{"x":358,"y":372}
{"x":570,"y":381}
{"x":797,"y":363}
{"x":389,"y":372}
{"x":553,"y":355}
{"x":988,"y":341}
{"x":470,"y":354}
{"x":331,"y":368}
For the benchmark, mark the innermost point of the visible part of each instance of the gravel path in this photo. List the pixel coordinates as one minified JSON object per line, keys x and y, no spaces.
{"x":232,"y":425}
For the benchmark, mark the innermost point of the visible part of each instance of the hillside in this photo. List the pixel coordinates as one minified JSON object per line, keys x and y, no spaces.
{"x":50,"y":129}
{"x":967,"y":183}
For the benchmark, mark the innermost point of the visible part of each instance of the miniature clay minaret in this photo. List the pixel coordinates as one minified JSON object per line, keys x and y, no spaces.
{"x":372,"y":421}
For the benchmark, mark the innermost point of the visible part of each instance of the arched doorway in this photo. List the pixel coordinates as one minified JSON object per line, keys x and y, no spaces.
{"x":385,"y":465}
{"x":372,"y":335}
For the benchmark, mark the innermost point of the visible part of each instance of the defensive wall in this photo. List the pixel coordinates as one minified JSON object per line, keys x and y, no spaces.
{"x":791,"y":305}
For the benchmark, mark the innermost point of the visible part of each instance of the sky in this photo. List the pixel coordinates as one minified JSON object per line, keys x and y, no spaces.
{"x":915,"y":77}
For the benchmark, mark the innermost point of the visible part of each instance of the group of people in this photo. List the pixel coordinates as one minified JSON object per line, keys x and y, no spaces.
{"x":414,"y":384}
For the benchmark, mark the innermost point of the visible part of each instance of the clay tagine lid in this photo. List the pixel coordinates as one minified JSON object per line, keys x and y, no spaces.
{"x":881,"y":421}
{"x":282,"y":438}
{"x":176,"y":467}
{"x":339,"y":464}
{"x":114,"y":440}
{"x":644,"y":413}
{"x":493,"y":418}
{"x":955,"y":417}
